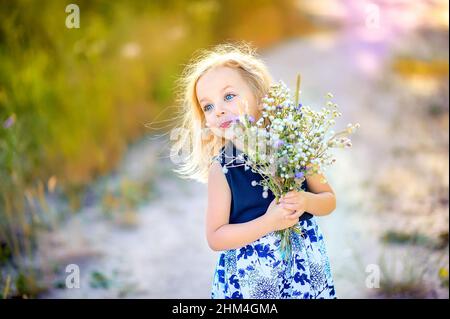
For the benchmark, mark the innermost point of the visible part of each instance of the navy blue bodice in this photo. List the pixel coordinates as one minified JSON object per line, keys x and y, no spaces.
{"x":247,"y":202}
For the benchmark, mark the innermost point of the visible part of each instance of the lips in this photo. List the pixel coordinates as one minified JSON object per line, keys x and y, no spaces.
{"x":225,"y":124}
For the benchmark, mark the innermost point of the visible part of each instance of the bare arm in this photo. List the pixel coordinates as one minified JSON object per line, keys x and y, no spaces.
{"x":321,"y":200}
{"x":220,"y":234}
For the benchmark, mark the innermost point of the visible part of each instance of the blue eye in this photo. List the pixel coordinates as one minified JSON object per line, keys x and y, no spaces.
{"x":228,"y":95}
{"x":207,"y":107}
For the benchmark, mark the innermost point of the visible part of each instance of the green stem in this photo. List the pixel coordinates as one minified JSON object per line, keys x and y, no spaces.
{"x":297,"y":90}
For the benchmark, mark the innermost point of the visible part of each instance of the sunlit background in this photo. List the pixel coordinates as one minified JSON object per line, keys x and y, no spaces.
{"x":85,"y":174}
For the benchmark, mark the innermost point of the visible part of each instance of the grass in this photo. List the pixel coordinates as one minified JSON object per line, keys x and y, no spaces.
{"x":410,"y":272}
{"x":402,"y":277}
{"x":121,"y":202}
{"x":99,"y":280}
{"x":415,"y":238}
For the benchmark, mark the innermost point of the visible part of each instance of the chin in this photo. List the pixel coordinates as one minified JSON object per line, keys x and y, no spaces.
{"x":226,"y":133}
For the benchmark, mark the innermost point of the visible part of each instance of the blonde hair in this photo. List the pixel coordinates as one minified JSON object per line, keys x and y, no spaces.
{"x":240,"y":56}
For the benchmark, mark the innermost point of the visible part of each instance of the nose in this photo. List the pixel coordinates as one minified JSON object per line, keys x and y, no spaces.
{"x":219,"y":111}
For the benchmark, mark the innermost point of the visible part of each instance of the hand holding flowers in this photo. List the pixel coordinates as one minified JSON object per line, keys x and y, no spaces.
{"x":296,"y":201}
{"x":281,"y":218}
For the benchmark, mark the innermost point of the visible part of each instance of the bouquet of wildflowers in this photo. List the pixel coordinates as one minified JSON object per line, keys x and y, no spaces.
{"x":288,"y":143}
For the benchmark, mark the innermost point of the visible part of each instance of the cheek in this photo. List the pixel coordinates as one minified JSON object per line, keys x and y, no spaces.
{"x":210,"y":119}
{"x":238,"y":106}
{"x":234,"y":107}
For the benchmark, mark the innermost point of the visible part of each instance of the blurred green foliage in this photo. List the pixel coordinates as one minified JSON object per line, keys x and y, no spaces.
{"x":415,"y":238}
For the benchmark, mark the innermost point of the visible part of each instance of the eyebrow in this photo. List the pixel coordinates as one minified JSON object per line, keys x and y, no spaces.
{"x":224,"y":88}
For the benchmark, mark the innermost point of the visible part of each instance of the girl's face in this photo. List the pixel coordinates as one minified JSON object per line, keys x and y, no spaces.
{"x":223,"y":95}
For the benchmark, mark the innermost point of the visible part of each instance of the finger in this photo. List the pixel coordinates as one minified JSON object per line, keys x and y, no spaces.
{"x":295,"y":215}
{"x":290,"y":201}
{"x":289,"y":206}
{"x":291,"y":193}
{"x":287,"y":213}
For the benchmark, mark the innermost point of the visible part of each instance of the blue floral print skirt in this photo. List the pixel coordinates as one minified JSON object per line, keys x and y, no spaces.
{"x":257,"y":270}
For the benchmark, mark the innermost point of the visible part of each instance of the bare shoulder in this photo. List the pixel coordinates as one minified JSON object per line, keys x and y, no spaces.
{"x":216,"y":177}
{"x":219,"y":199}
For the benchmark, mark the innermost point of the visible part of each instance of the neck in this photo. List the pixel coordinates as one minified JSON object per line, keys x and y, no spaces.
{"x":239,"y":145}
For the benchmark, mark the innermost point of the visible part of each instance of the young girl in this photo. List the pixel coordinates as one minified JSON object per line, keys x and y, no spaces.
{"x":240,"y":223}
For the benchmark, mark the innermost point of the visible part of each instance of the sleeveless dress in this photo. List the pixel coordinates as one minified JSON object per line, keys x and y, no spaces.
{"x":257,"y":270}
